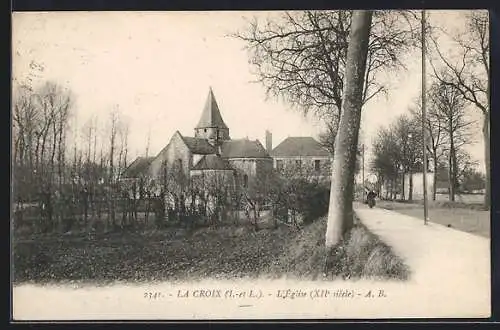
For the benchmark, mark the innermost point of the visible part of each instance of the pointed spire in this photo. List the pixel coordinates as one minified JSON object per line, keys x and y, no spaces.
{"x":211,"y":116}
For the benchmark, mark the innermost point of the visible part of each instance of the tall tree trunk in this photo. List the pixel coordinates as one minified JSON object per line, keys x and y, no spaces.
{"x":52,"y":171}
{"x":340,"y":211}
{"x":451,"y":170}
{"x":410,"y":186}
{"x":434,"y":180}
{"x":392,"y":189}
{"x":455,"y":172}
{"x":486,"y":136}
{"x":403,"y":195}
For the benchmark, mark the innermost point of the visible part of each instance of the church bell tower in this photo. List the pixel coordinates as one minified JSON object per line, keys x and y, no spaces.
{"x":211,"y":126}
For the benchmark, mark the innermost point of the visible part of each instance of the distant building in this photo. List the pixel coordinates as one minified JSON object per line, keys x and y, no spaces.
{"x":303,"y":155}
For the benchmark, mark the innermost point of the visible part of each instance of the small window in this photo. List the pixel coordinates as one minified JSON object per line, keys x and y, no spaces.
{"x":317,"y":165}
{"x":245,"y":181}
{"x":279,"y":165}
{"x":205,"y":130}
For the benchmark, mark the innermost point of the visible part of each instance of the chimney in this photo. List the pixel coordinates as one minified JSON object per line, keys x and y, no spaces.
{"x":269,"y":141}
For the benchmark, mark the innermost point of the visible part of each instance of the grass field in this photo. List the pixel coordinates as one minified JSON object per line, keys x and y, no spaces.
{"x":177,"y":254}
{"x":462,"y":218}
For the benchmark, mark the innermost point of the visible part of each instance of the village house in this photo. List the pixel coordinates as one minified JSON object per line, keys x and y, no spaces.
{"x":304,"y":156}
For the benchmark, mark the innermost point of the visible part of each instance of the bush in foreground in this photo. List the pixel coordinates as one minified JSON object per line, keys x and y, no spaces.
{"x":361,"y":255}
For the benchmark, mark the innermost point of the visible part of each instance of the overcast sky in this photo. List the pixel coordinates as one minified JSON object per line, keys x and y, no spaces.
{"x":158,"y":67}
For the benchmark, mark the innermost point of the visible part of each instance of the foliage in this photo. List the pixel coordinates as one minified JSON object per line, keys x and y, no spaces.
{"x":312,"y":200}
{"x":301,"y":57}
{"x":472,"y":180}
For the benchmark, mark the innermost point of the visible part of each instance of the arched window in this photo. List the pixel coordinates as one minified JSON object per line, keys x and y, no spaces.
{"x":245,"y":181}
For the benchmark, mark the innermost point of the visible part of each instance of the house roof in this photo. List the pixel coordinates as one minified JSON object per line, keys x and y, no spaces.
{"x":211,"y":116}
{"x":137,"y":167}
{"x":198,"y":146}
{"x":300,"y":146}
{"x":212,"y":162}
{"x":243,"y":148}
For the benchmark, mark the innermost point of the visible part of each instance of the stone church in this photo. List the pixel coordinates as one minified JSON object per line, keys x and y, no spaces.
{"x":210,"y":151}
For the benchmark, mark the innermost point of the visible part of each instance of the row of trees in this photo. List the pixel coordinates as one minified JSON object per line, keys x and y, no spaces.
{"x":62,"y":172}
{"x":398,"y":149}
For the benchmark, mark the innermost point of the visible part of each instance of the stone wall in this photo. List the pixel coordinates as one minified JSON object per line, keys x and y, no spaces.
{"x":176,"y":151}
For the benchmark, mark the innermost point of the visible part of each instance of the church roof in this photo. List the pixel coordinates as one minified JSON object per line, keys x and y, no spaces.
{"x":243,"y":148}
{"x":212,"y":162}
{"x":211,"y":116}
{"x":137,"y":167}
{"x":300,"y":146}
{"x":198,"y":146}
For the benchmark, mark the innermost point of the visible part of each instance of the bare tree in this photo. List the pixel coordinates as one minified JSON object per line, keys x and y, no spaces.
{"x":88,"y":131}
{"x":468,"y":72}
{"x":436,"y":132}
{"x":301,"y":56}
{"x":340,"y":213}
{"x":123,"y":135}
{"x":387,"y":160}
{"x":451,"y":112}
{"x":256,"y":194}
{"x":25,"y":115}
{"x":409,"y":141}
{"x":112,"y":150}
{"x":40,"y":118}
{"x":327,"y":137}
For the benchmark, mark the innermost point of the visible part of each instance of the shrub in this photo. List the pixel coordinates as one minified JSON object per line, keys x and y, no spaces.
{"x":308,"y":198}
{"x":313,"y":201}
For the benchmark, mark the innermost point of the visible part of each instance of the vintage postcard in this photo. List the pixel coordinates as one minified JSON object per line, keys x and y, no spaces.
{"x":250,"y":165}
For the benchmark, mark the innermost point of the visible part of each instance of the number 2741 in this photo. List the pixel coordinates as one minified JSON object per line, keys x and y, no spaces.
{"x":152,"y":295}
